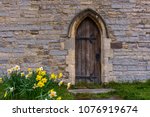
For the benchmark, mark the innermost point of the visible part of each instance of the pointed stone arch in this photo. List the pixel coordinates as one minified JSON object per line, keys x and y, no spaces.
{"x":106,"y":67}
{"x":91,"y":14}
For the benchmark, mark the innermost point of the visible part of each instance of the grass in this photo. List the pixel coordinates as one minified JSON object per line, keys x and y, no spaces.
{"x":2,"y":87}
{"x":125,"y":91}
{"x":132,"y":91}
{"x":84,"y":85}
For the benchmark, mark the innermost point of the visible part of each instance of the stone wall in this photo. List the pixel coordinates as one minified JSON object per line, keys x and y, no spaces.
{"x":33,"y":33}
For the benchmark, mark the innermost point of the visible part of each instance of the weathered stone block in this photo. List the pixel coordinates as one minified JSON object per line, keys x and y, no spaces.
{"x":3,"y":61}
{"x":137,"y":68}
{"x":119,"y":68}
{"x":125,"y":61}
{"x":117,"y":6}
{"x":58,"y":52}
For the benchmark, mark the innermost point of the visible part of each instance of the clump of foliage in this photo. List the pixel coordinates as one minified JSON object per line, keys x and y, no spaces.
{"x":33,"y":85}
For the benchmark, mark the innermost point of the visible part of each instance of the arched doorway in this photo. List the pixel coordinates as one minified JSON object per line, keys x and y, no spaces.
{"x":88,"y":52}
{"x":102,"y":51}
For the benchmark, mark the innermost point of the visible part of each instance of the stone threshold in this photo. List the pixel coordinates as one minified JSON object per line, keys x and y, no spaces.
{"x":93,"y":91}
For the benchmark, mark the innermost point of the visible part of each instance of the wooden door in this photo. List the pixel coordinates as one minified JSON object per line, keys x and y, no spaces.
{"x":88,"y":52}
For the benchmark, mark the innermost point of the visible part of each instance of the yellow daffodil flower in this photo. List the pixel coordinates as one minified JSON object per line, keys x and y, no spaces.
{"x":29,"y":69}
{"x":40,"y":84}
{"x":60,"y":75}
{"x":50,"y":90}
{"x":41,"y":68}
{"x":22,"y":74}
{"x":68,"y":85}
{"x":5,"y":94}
{"x":37,"y":70}
{"x":59,"y":98}
{"x":38,"y":77}
{"x":43,"y":73}
{"x":53,"y":76}
{"x":44,"y":80}
{"x":1,"y":80}
{"x":60,"y":83}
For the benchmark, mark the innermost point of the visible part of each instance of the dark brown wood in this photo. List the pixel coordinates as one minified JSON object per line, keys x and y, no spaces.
{"x":88,"y":66}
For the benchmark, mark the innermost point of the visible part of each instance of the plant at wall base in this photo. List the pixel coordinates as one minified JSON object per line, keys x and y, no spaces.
{"x":33,"y":85}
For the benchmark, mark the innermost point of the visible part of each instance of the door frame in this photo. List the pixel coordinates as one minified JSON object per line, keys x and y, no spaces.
{"x":106,"y":51}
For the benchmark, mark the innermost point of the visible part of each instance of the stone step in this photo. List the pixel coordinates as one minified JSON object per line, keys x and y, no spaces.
{"x":93,"y":91}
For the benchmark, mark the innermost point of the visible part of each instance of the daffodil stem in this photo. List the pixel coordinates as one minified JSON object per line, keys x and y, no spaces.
{"x":41,"y":93}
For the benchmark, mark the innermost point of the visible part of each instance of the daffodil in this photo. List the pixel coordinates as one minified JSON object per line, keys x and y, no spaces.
{"x":42,"y":73}
{"x":22,"y":74}
{"x":9,"y":71}
{"x":52,"y":93}
{"x":60,"y":75}
{"x":51,"y":90}
{"x":30,"y":73}
{"x":60,"y":83}
{"x":40,"y":84}
{"x":1,"y":80}
{"x":53,"y":76}
{"x":17,"y":68}
{"x":59,"y":98}
{"x":27,"y":76}
{"x":38,"y":78}
{"x":44,"y":80}
{"x":41,"y":68}
{"x":11,"y":89}
{"x":13,"y":69}
{"x":68,"y":85}
{"x":29,"y":69}
{"x":35,"y":86}
{"x":37,"y":70}
{"x":5,"y":94}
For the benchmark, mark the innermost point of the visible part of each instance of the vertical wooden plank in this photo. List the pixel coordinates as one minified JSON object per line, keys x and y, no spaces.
{"x":80,"y":56}
{"x":82,"y":51}
{"x":88,"y":58}
{"x":98,"y":52}
{"x":95,"y":51}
